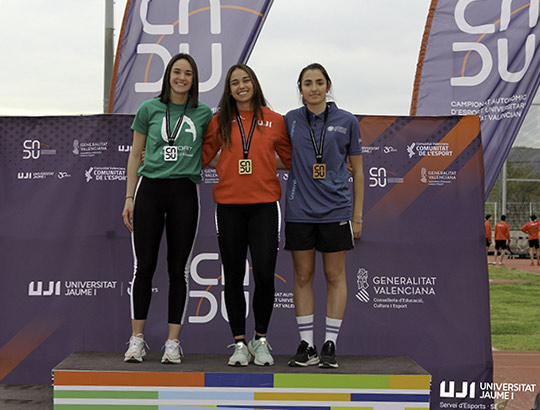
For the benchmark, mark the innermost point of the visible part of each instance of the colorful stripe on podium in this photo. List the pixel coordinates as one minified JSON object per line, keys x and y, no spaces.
{"x":117,"y":390}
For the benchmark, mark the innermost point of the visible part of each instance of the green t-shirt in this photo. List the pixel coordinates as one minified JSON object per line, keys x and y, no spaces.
{"x":150,"y":121}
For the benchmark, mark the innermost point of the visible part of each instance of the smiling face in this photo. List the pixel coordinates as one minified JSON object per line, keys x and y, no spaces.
{"x":181,"y":80}
{"x":241,"y":87}
{"x":313,"y":88}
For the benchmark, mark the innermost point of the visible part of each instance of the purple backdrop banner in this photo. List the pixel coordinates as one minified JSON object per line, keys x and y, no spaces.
{"x":217,"y":33}
{"x":417,"y":279}
{"x":480,"y":57}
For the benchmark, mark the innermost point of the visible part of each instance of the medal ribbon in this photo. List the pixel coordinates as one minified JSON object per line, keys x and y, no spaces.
{"x":318,"y":150}
{"x":172,"y":137}
{"x":245,"y":144}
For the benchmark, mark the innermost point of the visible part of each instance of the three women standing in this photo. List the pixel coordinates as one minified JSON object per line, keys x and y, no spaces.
{"x":162,"y":193}
{"x":321,"y":213}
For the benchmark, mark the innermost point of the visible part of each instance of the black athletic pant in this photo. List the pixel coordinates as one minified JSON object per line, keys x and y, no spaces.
{"x":255,"y":226}
{"x":172,"y":204}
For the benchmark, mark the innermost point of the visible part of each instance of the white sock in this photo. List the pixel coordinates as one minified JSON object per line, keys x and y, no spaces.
{"x":332,"y":329}
{"x":305,"y":326}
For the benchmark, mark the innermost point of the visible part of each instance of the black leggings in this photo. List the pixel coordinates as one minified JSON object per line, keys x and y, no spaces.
{"x":255,"y":226}
{"x":172,"y":204}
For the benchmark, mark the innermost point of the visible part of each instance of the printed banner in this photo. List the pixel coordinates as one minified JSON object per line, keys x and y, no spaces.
{"x":417,"y":279}
{"x":217,"y":33}
{"x":480,"y":57}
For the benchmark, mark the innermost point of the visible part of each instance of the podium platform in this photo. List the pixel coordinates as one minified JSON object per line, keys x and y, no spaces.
{"x":102,"y":381}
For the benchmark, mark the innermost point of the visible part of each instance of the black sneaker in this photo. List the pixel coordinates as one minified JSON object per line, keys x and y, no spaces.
{"x":328,"y":355}
{"x":306,"y":355}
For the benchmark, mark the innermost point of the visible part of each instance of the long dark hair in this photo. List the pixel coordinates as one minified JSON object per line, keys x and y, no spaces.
{"x":227,"y":110}
{"x":165,"y":95}
{"x":312,"y":66}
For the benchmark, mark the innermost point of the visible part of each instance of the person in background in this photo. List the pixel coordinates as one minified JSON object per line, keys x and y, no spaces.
{"x":502,"y":240}
{"x":321,"y":214}
{"x":531,"y":229}
{"x":162,"y":193}
{"x":248,"y":216}
{"x":487,"y":224}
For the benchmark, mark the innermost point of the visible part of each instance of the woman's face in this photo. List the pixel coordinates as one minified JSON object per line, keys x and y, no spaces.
{"x":181,"y":78}
{"x":241,"y":86}
{"x":314,"y":87}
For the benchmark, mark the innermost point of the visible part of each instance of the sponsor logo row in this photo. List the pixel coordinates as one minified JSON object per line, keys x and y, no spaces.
{"x":99,"y":174}
{"x":414,"y":149}
{"x":33,"y":149}
{"x":381,"y":177}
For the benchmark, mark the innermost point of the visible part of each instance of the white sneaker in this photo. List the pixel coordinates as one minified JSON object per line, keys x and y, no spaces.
{"x":260,"y":349}
{"x":241,"y":356}
{"x":135,"y":351}
{"x":173,"y":352}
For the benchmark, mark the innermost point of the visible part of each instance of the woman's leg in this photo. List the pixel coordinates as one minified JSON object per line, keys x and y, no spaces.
{"x":148,"y":222}
{"x":182,"y":221}
{"x":233,"y":240}
{"x":336,"y":284}
{"x":304,"y":271}
{"x":148,"y":225}
{"x":336,"y":299}
{"x":263,"y":232}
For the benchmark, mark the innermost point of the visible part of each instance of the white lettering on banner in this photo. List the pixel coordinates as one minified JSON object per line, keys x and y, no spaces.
{"x":124,"y":148}
{"x":195,"y":263}
{"x":492,"y":109}
{"x":31,"y":149}
{"x":36,"y":288}
{"x":453,"y":393}
{"x":486,"y":390}
{"x":377,"y":177}
{"x":73,"y":288}
{"x":209,"y":282}
{"x":157,"y":29}
{"x":502,"y":44}
{"x":183,"y":29}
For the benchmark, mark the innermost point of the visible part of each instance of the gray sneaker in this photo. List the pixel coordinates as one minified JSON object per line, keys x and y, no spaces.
{"x":260,"y":349}
{"x":241,"y":356}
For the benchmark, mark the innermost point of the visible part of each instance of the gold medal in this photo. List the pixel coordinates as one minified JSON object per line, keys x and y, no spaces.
{"x":170,"y":153}
{"x":244,"y":166}
{"x":319,"y":171}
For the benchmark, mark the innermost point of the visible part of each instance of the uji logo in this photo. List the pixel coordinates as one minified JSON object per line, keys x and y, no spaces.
{"x":37,"y":289}
{"x":462,"y":391}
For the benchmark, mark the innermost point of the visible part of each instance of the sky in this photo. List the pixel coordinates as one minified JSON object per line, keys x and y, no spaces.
{"x":53,"y":53}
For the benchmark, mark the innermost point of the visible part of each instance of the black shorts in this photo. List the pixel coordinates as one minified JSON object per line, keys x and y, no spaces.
{"x":533,"y":243}
{"x":488,"y":243}
{"x":500,"y":245}
{"x":324,"y":237}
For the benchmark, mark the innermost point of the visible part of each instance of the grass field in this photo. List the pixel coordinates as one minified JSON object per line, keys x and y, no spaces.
{"x":515,"y":309}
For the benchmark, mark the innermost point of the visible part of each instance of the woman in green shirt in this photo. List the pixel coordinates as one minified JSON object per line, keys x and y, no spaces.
{"x":163,"y":193}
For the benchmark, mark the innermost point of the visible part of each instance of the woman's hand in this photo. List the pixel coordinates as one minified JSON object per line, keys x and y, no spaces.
{"x":127,"y":214}
{"x":357,"y":229}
